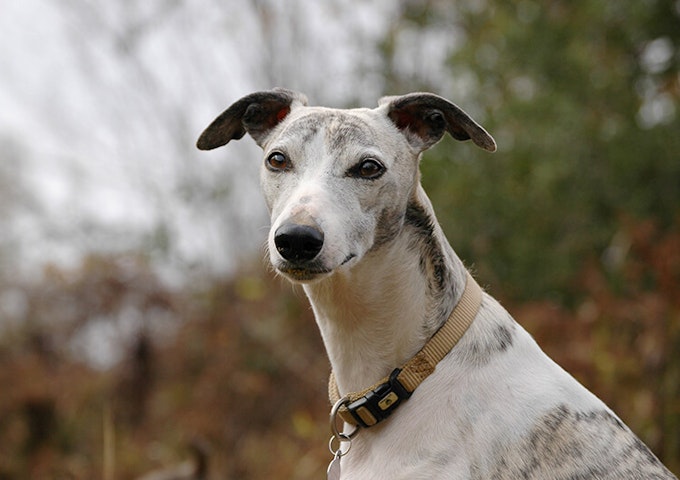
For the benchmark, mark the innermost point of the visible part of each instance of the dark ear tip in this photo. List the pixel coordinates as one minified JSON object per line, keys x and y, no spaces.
{"x":216,"y":135}
{"x":203,"y":145}
{"x":482,"y":138}
{"x":489,"y":144}
{"x":204,"y":142}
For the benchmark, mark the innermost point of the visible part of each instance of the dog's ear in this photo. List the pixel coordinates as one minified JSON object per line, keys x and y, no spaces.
{"x":257,"y":114}
{"x":424,"y":117}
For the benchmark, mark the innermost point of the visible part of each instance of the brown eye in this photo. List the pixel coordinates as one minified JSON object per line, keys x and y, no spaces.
{"x":369,"y":169}
{"x":277,"y":161}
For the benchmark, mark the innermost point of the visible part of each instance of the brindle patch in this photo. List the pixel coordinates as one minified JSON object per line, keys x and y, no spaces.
{"x":304,"y":128}
{"x":343,"y":130}
{"x":488,"y":345}
{"x":432,"y":261}
{"x":434,"y":265}
{"x":567,"y":444}
{"x":390,"y":223}
{"x":503,"y":337}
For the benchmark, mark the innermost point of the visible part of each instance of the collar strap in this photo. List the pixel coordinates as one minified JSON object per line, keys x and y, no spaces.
{"x":377,"y":402}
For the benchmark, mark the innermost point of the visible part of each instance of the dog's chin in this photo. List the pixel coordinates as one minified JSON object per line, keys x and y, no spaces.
{"x":302,"y":276}
{"x":312,"y":272}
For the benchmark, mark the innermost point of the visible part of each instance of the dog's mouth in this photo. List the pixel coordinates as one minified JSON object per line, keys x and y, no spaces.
{"x":302,"y":274}
{"x":309,"y":271}
{"x":347,"y":259}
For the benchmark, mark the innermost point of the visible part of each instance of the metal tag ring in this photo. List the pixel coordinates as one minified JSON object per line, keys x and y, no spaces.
{"x":334,"y":423}
{"x":340,"y":438}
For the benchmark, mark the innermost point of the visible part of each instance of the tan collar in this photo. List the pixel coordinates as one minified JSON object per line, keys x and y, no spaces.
{"x":377,"y":402}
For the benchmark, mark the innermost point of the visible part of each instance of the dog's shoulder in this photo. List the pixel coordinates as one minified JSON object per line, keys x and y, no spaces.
{"x":552,"y":425}
{"x":568,"y":443}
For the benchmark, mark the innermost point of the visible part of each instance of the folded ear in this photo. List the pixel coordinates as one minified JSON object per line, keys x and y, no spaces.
{"x":257,"y":114}
{"x":424,"y":117}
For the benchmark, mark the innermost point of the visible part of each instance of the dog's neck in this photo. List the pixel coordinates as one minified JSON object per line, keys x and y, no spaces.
{"x":376,"y":315}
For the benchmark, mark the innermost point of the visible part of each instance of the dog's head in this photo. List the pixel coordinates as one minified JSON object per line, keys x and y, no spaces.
{"x":337,"y":182}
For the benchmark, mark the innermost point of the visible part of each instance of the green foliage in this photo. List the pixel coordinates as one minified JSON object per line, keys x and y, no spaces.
{"x":583,"y":105}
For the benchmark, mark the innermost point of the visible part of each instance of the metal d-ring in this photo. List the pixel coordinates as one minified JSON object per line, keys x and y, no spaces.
{"x":337,"y":435}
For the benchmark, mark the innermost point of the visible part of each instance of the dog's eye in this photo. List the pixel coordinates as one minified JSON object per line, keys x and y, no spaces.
{"x":277,"y":161}
{"x":368,"y":168}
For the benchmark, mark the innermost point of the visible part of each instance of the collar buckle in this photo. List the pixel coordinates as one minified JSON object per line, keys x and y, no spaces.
{"x":377,"y":404}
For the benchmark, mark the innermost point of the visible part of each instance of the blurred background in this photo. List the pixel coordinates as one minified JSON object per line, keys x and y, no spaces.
{"x":139,"y":322}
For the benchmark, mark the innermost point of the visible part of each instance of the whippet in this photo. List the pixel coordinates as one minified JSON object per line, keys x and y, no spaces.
{"x":352,"y":224}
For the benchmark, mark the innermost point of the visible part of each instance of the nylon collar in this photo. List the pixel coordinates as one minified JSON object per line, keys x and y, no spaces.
{"x":377,"y":402}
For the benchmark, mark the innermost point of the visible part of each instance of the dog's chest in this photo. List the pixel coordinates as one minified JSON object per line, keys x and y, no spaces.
{"x":483,"y":401}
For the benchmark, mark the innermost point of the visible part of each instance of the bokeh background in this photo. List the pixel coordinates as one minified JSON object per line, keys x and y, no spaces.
{"x":138,"y":317}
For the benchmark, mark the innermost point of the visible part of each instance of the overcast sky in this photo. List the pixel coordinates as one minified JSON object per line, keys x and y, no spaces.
{"x":102,"y":103}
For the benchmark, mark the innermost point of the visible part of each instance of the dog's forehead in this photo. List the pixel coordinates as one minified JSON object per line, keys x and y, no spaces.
{"x":359,"y":127}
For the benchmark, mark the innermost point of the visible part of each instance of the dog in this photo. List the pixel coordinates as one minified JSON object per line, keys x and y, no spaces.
{"x":351,"y":222}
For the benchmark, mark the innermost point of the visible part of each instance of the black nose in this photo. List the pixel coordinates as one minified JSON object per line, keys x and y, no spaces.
{"x":298,"y":243}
